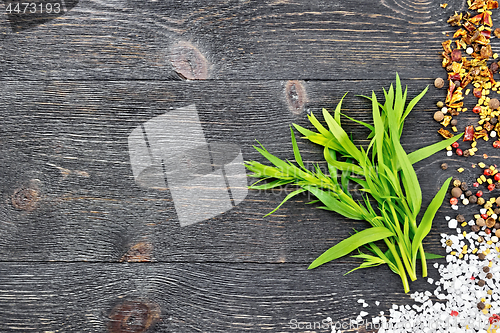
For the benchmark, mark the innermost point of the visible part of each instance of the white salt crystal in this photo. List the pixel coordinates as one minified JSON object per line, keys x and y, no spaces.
{"x":452,"y":224}
{"x":449,"y":153}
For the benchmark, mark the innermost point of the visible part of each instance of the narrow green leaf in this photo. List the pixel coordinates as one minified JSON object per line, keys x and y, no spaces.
{"x":409,"y":178}
{"x":370,"y":127}
{"x":343,"y":166}
{"x":350,"y":244}
{"x":425,"y":152}
{"x":337,"y":110}
{"x":426,"y":223}
{"x":379,"y":130}
{"x":430,"y":256}
{"x":322,"y":130}
{"x":288,"y":197}
{"x":296,"y":152}
{"x":262,"y":170}
{"x":346,"y":206}
{"x":270,"y":185}
{"x":412,"y":104}
{"x":342,"y":137}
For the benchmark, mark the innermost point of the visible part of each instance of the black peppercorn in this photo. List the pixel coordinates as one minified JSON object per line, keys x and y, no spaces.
{"x":489,"y":276}
{"x":475,"y":228}
{"x":486,"y":269}
{"x":464,"y":186}
{"x":468,"y":193}
{"x":480,"y":305}
{"x":481,"y":283}
{"x":481,"y":256}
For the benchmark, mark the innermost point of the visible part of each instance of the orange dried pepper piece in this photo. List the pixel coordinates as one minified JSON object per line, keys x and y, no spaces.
{"x":447,"y":46}
{"x":445,"y":133}
{"x":492,"y":5}
{"x":459,"y":33}
{"x":476,"y":19}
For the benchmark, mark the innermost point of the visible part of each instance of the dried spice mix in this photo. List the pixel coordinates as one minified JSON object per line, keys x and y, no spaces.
{"x":470,"y":63}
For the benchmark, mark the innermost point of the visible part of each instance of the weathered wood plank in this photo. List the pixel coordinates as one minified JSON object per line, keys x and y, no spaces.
{"x":68,"y":141}
{"x":231,"y":39}
{"x":80,"y":297}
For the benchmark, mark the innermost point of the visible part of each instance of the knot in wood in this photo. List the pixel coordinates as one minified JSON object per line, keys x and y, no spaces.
{"x":133,"y":317}
{"x":25,"y":198}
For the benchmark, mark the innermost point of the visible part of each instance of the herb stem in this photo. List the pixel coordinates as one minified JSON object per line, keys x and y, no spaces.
{"x":401,"y":269}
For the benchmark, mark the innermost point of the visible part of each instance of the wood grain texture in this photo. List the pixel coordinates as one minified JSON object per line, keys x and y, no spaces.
{"x":81,"y":241}
{"x":70,"y":138}
{"x":79,"y":297}
{"x":280,"y":39}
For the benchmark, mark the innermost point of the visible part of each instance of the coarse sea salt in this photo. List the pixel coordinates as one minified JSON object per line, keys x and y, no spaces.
{"x":453,"y":306}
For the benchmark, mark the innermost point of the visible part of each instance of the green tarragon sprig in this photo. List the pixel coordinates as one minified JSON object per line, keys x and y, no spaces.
{"x":385,"y":173}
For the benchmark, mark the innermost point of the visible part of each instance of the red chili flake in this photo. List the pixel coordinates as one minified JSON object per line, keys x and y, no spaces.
{"x":454,"y":313}
{"x":497,"y":177}
{"x":456,"y":55}
{"x":454,"y":144}
{"x":453,"y":201}
{"x":491,"y":187}
{"x":469,"y":133}
{"x":484,"y":216}
{"x":459,"y":152}
{"x":454,"y":77}
{"x":469,"y":26}
{"x":485,"y":156}
{"x":486,"y":33}
{"x":477,"y":92}
{"x":487,"y":172}
{"x":487,"y":231}
{"x":476,"y":184}
{"x":449,"y":95}
{"x":472,"y":278}
{"x":487,"y":19}
{"x":494,"y":319}
{"x":496,"y":144}
{"x":479,"y":194}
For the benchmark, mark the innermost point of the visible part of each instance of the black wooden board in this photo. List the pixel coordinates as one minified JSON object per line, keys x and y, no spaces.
{"x":80,"y":240}
{"x":238,"y":39}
